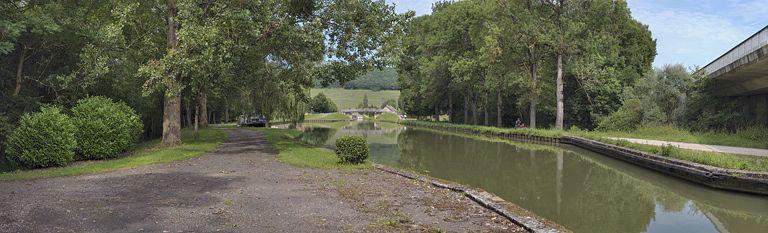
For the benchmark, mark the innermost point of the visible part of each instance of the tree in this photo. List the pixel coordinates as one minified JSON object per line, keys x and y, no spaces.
{"x":322,"y":104}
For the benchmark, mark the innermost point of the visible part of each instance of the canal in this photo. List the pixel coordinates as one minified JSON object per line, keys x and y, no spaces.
{"x":579,"y":189}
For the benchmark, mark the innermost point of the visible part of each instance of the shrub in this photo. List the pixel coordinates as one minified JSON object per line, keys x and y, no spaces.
{"x":352,"y":149}
{"x":43,"y":139}
{"x":322,"y":104}
{"x":626,"y":118}
{"x":104,"y":128}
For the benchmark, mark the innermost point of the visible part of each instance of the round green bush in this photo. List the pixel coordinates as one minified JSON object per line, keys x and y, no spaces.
{"x":104,"y":128}
{"x":352,"y":149}
{"x":43,"y":139}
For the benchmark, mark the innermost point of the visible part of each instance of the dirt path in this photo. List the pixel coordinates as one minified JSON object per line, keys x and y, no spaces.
{"x":240,"y":188}
{"x":701,"y":147}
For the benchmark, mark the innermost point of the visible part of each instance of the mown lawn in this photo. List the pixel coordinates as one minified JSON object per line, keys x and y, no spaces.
{"x":146,"y":153}
{"x":345,"y":99}
{"x":292,"y":151}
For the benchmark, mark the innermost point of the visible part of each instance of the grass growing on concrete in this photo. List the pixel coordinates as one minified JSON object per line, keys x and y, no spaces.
{"x":722,"y":160}
{"x":752,"y":137}
{"x":145,"y":154}
{"x":345,"y":99}
{"x":292,"y":151}
{"x":327,"y":116}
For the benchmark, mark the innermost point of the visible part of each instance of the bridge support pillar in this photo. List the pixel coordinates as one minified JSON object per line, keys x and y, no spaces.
{"x":761,"y":109}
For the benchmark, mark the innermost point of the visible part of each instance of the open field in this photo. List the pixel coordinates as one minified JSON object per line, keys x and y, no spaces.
{"x":352,"y":98}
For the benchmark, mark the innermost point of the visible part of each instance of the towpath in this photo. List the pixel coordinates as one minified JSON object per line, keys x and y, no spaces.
{"x":701,"y":147}
{"x":240,"y":188}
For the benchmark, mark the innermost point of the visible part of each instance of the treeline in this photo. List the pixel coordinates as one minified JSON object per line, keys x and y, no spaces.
{"x":547,"y":62}
{"x":177,"y":62}
{"x":383,"y":79}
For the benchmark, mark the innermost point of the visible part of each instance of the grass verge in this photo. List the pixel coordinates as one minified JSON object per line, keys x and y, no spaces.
{"x":722,"y":160}
{"x":147,"y":153}
{"x":327,"y":116}
{"x":752,"y":137}
{"x":294,"y":152}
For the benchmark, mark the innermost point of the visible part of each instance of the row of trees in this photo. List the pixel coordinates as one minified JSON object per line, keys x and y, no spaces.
{"x":179,"y":62}
{"x":528,"y":59}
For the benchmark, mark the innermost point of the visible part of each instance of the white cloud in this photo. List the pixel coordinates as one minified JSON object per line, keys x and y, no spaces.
{"x":690,"y":37}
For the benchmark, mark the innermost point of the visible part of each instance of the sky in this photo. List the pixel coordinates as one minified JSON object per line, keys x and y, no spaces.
{"x":689,"y":32}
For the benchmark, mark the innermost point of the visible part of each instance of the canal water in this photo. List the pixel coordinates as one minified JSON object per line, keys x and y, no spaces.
{"x":579,"y":189}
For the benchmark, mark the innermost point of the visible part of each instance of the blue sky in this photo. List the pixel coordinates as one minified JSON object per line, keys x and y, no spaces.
{"x":690,"y":32}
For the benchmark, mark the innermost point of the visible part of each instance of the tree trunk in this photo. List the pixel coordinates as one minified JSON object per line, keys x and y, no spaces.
{"x":20,"y":70}
{"x":450,"y":107}
{"x":437,"y":112}
{"x":197,"y":121}
{"x":534,"y":81}
{"x":171,"y":104}
{"x":499,"y":110}
{"x":188,"y":114}
{"x":466,"y":109}
{"x":474,"y":109}
{"x":559,"y":83}
{"x":202,"y":99}
{"x":485,"y":109}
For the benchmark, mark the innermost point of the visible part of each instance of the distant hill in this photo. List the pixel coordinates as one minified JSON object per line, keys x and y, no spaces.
{"x":346,"y":99}
{"x":385,"y":79}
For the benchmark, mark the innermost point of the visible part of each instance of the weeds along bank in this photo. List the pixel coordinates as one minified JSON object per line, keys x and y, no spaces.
{"x":725,"y":171}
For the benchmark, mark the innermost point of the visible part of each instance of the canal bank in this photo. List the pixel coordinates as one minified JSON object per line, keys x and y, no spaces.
{"x":576,"y":188}
{"x":715,"y":177}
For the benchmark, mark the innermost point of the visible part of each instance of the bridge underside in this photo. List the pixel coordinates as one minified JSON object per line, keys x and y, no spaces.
{"x":747,"y":76}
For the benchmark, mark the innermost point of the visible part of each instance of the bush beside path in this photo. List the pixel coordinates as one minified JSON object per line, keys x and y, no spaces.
{"x":241,"y":187}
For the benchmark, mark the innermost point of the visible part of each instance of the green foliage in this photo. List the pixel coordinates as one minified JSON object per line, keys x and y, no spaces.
{"x":147,"y":153}
{"x":291,"y":151}
{"x":42,"y":139}
{"x":104,"y":128}
{"x":346,"y":99}
{"x":321,"y":104}
{"x":352,"y":149}
{"x":627,"y":118}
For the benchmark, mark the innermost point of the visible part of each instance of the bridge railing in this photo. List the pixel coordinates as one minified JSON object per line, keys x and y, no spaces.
{"x":751,"y":44}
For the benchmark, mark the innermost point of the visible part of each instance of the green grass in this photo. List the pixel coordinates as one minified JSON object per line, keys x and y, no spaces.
{"x":749,"y":137}
{"x":723,"y":160}
{"x":550,"y":133}
{"x":327,"y":116}
{"x":292,"y":151}
{"x":145,"y":154}
{"x":345,"y":99}
{"x":390,"y":117}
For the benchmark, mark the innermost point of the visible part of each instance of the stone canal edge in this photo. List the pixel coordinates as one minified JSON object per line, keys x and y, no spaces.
{"x":710,"y":176}
{"x":520,"y":216}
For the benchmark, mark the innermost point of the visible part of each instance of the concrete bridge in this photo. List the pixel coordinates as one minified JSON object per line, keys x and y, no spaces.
{"x":742,"y":72}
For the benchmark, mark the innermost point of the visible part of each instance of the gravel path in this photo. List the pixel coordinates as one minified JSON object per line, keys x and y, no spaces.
{"x":240,"y":188}
{"x":701,"y":147}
